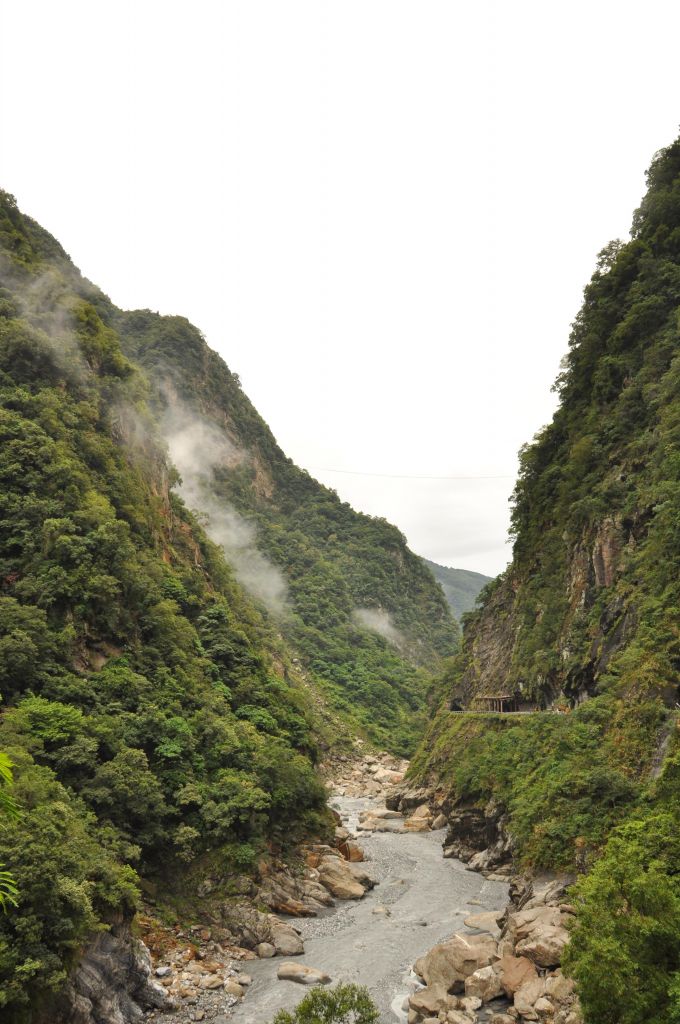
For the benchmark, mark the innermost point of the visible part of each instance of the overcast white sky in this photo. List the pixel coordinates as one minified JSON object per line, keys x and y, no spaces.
{"x":381,"y":213}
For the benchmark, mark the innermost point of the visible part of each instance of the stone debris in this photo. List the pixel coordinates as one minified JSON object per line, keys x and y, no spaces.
{"x":515,"y":960}
{"x":366,"y":775}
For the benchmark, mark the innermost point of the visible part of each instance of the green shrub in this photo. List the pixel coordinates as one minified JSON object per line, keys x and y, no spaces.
{"x":344,"y":1004}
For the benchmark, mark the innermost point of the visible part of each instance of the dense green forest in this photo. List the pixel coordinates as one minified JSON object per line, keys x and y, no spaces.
{"x":461,"y":586}
{"x":363,"y":612}
{"x":162,"y":714}
{"x":151,"y":714}
{"x":585,"y":622}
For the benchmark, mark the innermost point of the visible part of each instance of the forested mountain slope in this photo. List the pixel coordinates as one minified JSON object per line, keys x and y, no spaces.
{"x":164,"y":677}
{"x":152,"y":715}
{"x":362,"y":612}
{"x":361,"y":609}
{"x":587,"y":620}
{"x":461,"y":586}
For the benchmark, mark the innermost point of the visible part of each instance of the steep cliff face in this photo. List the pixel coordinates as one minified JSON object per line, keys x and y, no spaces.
{"x":583,"y":628}
{"x":590,"y":599}
{"x":593,"y":618}
{"x":113,"y":983}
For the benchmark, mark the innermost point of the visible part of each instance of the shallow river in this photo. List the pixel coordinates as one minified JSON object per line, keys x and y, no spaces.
{"x":427,"y":898}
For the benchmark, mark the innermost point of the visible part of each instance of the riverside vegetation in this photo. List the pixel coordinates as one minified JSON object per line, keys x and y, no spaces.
{"x":161,"y":722}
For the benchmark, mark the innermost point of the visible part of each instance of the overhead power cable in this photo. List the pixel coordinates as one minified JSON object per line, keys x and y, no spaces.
{"x":410,"y":476}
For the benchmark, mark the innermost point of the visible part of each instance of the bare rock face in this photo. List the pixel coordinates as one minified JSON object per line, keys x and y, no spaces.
{"x":112,"y":984}
{"x":478,"y":837}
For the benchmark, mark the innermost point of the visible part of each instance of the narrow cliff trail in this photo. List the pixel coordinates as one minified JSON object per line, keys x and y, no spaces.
{"x":420,"y":899}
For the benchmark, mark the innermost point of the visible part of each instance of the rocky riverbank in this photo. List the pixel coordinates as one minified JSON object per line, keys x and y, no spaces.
{"x":437,"y":942}
{"x":204,"y":971}
{"x":505,"y":967}
{"x":505,"y":971}
{"x":374,"y":938}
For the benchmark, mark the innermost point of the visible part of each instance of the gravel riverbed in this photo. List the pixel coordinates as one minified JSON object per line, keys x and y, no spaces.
{"x":426,"y":897}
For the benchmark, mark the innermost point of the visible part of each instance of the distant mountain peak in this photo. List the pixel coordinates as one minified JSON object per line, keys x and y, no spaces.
{"x":461,"y":586}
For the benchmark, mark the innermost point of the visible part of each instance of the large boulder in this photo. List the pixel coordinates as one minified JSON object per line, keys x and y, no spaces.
{"x":406,"y":796}
{"x":430,"y":1001}
{"x":388,"y":776}
{"x":515,"y":971}
{"x":448,"y":964}
{"x":559,"y":988}
{"x":484,"y":922}
{"x":380,"y":812}
{"x":285,"y":939}
{"x":315,"y":894}
{"x":420,"y":819}
{"x":416,"y":825}
{"x":361,"y":875}
{"x":336,"y":875}
{"x":539,"y":933}
{"x":302,"y":974}
{"x":375,"y":824}
{"x":248,"y":926}
{"x":485,"y":984}
{"x":351,"y":851}
{"x":544,"y":946}
{"x":527,"y":996}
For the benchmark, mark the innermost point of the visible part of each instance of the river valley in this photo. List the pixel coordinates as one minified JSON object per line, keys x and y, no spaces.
{"x":420,"y":899}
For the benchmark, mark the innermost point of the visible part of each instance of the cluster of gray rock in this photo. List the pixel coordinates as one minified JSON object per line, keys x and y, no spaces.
{"x":193,"y":977}
{"x":421,"y":819}
{"x":366,"y":775}
{"x":476,"y":836}
{"x":188,"y":973}
{"x":511,"y":962}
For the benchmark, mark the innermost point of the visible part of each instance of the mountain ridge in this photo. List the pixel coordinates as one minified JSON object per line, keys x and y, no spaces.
{"x":461,"y":587}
